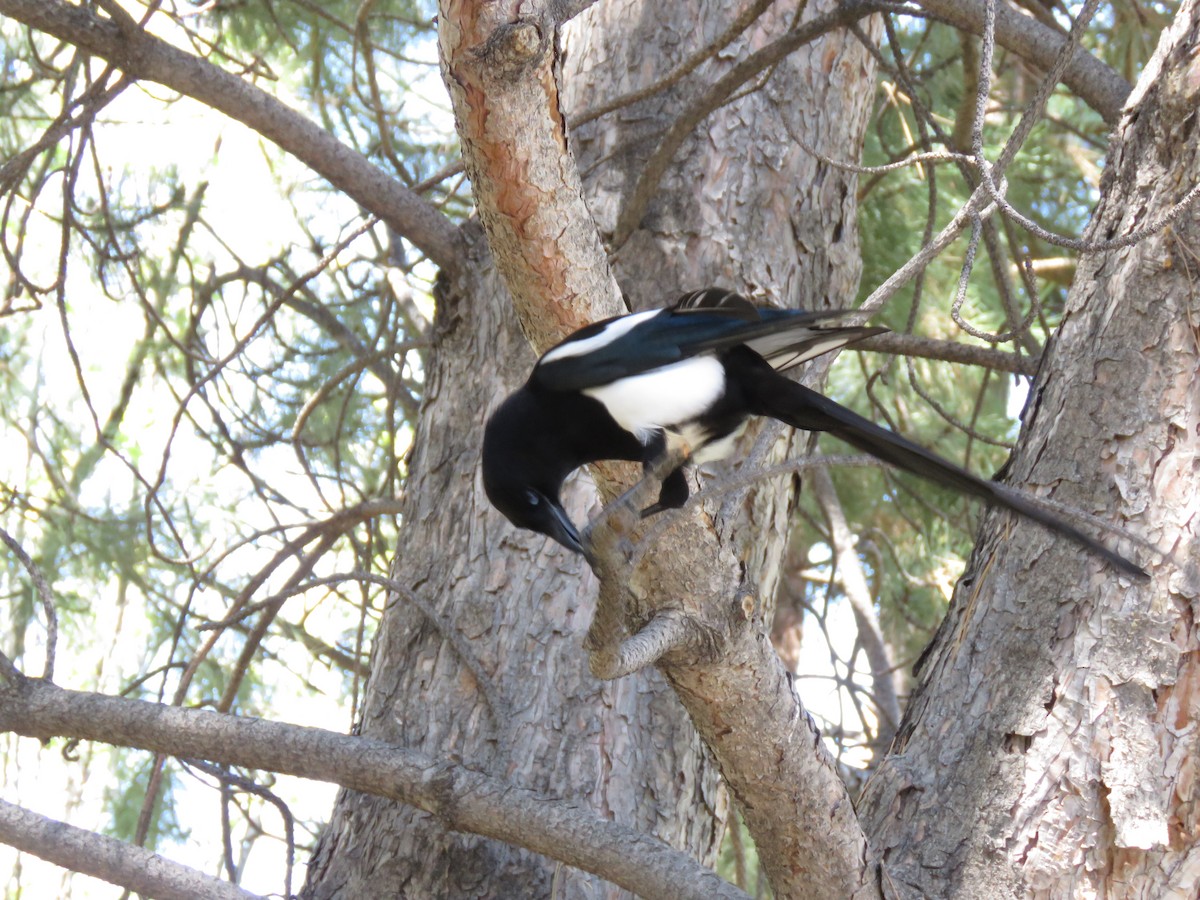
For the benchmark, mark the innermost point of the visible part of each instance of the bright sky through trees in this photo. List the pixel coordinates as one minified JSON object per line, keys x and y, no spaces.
{"x":216,"y":493}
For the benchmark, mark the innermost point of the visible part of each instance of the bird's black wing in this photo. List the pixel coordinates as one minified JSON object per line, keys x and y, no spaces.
{"x":785,"y":349}
{"x":720,"y":301}
{"x":783,"y":337}
{"x":702,"y":322}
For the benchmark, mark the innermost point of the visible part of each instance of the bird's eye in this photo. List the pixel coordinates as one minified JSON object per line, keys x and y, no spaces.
{"x":533,"y":497}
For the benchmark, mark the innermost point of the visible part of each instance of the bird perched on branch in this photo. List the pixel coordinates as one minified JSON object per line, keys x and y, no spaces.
{"x":694,"y":372}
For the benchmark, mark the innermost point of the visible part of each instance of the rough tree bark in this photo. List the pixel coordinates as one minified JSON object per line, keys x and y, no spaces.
{"x":491,"y":673}
{"x":493,"y":670}
{"x":1050,"y":750}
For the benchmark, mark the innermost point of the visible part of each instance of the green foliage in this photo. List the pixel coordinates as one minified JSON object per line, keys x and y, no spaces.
{"x":368,"y":72}
{"x":913,"y":538}
{"x":210,"y":367}
{"x":131,"y":774}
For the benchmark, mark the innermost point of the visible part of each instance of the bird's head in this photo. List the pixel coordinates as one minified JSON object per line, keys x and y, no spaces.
{"x":527,"y":507}
{"x":519,"y":481}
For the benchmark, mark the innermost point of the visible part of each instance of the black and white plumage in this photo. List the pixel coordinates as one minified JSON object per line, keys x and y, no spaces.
{"x":695,"y":372}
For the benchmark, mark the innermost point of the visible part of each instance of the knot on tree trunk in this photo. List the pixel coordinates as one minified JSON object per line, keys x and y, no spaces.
{"x":513,"y":48}
{"x":628,"y":633}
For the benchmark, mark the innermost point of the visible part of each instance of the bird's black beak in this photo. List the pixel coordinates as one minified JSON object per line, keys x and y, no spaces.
{"x":563,"y":530}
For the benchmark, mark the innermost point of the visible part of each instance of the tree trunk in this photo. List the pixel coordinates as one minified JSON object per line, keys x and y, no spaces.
{"x":1050,"y":749}
{"x":483,"y":661}
{"x":488,"y":668}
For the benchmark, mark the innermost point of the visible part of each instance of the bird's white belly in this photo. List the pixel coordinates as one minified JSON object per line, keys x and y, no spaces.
{"x":663,"y":398}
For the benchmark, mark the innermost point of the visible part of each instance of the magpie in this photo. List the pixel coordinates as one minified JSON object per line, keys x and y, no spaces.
{"x":628,"y":387}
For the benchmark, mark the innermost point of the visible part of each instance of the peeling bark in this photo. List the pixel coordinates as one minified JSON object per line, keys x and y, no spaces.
{"x":500,"y":61}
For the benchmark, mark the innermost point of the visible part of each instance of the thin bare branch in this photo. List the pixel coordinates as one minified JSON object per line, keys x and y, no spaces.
{"x":231,"y":780}
{"x":1095,"y":83}
{"x":144,"y":56}
{"x":974,"y":207}
{"x":45,"y":596}
{"x":743,"y":21}
{"x":911,"y":345}
{"x":496,"y":703}
{"x":117,"y":862}
{"x":992,"y":174}
{"x":652,"y":173}
{"x":885,"y":692}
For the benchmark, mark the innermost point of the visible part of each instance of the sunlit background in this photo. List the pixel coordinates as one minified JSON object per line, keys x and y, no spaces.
{"x":227,"y":443}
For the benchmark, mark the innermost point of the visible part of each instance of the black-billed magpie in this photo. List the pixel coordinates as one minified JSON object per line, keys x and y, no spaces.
{"x":696,"y":371}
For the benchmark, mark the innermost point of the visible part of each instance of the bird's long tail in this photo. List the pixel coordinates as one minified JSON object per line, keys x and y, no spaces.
{"x":800,"y":407}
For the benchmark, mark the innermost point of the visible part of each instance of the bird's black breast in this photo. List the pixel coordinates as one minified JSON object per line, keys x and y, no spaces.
{"x":584,"y":431}
{"x":538,"y":437}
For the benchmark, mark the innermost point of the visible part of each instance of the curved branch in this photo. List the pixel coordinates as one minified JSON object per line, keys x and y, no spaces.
{"x":1095,"y":83}
{"x":1098,"y":85}
{"x":463,"y":800}
{"x":743,"y":21}
{"x":147,"y":57}
{"x":117,"y":862}
{"x":643,"y":192}
{"x":849,"y":571}
{"x":45,"y":595}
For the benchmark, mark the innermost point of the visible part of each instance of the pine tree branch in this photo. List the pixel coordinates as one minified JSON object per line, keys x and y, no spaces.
{"x":911,"y":345}
{"x":1097,"y":84}
{"x":117,"y":862}
{"x":462,"y":799}
{"x":144,"y":56}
